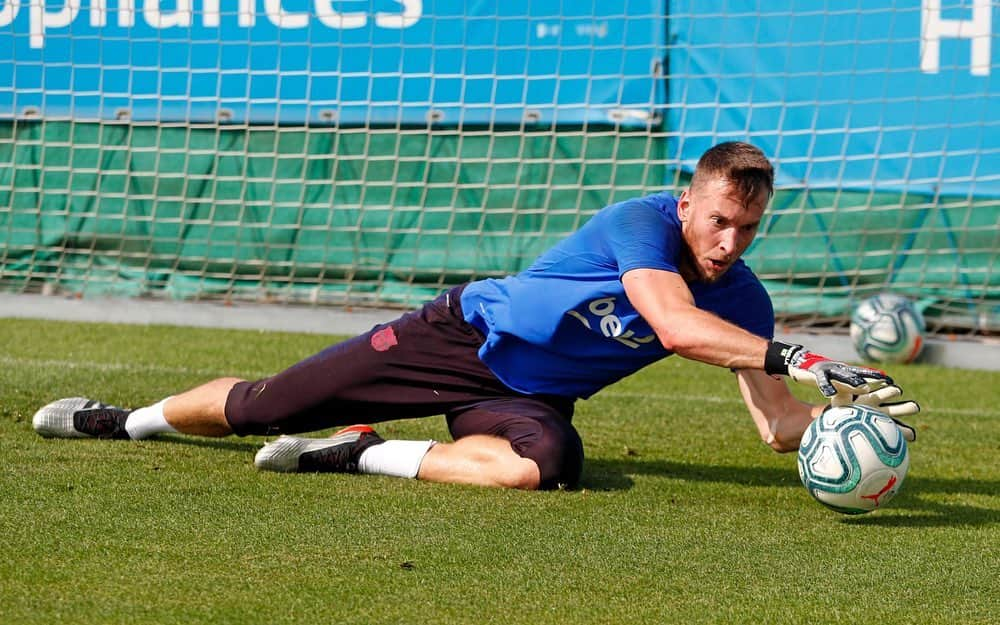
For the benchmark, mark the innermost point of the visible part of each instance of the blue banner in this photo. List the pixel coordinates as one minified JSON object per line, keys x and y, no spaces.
{"x":326,"y":61}
{"x":882,"y":94}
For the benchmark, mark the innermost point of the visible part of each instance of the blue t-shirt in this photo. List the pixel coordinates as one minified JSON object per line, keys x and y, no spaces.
{"x":564,"y":326}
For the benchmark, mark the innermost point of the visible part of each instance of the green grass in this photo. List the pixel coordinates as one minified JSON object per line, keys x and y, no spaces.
{"x":684,"y":515}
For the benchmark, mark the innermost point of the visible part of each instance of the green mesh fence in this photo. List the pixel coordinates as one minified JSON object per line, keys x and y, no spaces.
{"x":296,"y":214}
{"x":393,"y":217}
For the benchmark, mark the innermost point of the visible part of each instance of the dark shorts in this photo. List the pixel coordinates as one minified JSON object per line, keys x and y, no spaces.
{"x":423,"y":364}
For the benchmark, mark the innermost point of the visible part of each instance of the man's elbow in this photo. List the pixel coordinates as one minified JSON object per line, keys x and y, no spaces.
{"x":672,"y":341}
{"x":684,"y":345}
{"x":782,"y":442}
{"x":783,"y":447}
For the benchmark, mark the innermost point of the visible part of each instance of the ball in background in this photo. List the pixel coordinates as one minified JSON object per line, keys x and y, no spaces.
{"x":888,"y":328}
{"x":853,"y":459}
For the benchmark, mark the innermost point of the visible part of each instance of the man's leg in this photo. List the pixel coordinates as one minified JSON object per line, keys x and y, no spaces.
{"x":517,"y":442}
{"x":480,"y":460}
{"x":348,"y":382}
{"x":202,"y":410}
{"x":507,"y":442}
{"x":199,"y":411}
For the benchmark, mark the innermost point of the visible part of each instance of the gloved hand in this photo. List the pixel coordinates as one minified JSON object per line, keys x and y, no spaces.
{"x":830,"y":376}
{"x":879,"y":400}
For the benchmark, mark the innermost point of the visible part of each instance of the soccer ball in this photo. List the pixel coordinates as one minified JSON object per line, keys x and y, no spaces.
{"x":887,"y":328}
{"x":853,"y":459}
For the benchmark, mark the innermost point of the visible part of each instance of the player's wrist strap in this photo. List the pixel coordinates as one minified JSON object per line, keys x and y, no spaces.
{"x":778,"y":356}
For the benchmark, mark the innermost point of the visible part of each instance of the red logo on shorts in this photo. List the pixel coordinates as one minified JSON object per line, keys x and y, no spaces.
{"x":384,"y":339}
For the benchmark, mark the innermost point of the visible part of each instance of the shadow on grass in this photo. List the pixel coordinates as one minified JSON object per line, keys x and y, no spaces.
{"x":605,"y":474}
{"x":615,"y":474}
{"x":225,"y":444}
{"x":925,"y":512}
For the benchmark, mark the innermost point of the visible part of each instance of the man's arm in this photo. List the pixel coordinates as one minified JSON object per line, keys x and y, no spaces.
{"x":780,"y":417}
{"x":665,"y":302}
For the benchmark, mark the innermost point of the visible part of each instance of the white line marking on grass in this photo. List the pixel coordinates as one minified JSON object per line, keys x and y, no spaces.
{"x":712,"y":399}
{"x":993,"y":414}
{"x":117,"y":366}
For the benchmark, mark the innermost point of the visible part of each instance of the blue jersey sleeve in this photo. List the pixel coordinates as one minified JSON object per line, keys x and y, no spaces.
{"x":640,"y":234}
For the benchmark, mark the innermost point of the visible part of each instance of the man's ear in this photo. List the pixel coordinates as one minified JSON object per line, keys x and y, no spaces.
{"x":684,"y":205}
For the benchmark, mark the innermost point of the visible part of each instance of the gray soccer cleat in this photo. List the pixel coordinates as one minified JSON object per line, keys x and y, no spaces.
{"x":336,"y":454}
{"x":79,"y":417}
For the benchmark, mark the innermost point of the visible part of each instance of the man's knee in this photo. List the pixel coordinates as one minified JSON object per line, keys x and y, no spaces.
{"x":249,"y":410}
{"x":522,"y":475}
{"x":557,"y":451}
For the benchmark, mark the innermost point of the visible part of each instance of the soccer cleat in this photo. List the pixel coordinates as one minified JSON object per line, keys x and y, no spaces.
{"x":336,"y":454}
{"x":79,"y":417}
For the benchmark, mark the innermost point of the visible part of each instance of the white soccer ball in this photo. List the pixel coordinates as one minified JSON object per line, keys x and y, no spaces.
{"x":887,"y":328}
{"x":853,"y":459}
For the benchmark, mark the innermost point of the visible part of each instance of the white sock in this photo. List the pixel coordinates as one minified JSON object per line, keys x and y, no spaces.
{"x":395,"y":458}
{"x":148,"y":421}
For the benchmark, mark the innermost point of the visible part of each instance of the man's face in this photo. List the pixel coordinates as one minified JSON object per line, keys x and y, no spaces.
{"x":717,"y":227}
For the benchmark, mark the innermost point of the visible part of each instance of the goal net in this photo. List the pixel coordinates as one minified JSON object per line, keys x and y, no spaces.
{"x":377,"y":152}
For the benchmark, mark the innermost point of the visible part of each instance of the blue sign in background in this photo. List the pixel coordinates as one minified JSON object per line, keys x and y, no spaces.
{"x":380,"y":61}
{"x":836,"y":96}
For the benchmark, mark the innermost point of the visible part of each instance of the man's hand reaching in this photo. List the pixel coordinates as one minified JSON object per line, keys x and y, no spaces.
{"x":879,"y":400}
{"x":842,"y":383}
{"x":830,"y":376}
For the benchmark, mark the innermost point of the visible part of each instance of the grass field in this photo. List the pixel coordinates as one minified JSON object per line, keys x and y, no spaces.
{"x":684,"y":515}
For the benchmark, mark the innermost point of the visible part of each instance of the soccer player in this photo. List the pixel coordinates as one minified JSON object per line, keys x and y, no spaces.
{"x":505,"y":359}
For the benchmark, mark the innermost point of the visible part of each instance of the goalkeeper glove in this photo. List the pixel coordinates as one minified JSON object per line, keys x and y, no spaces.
{"x":879,"y":400}
{"x":830,"y":376}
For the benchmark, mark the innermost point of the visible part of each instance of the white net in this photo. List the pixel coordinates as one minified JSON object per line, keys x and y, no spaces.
{"x":376,"y":152}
